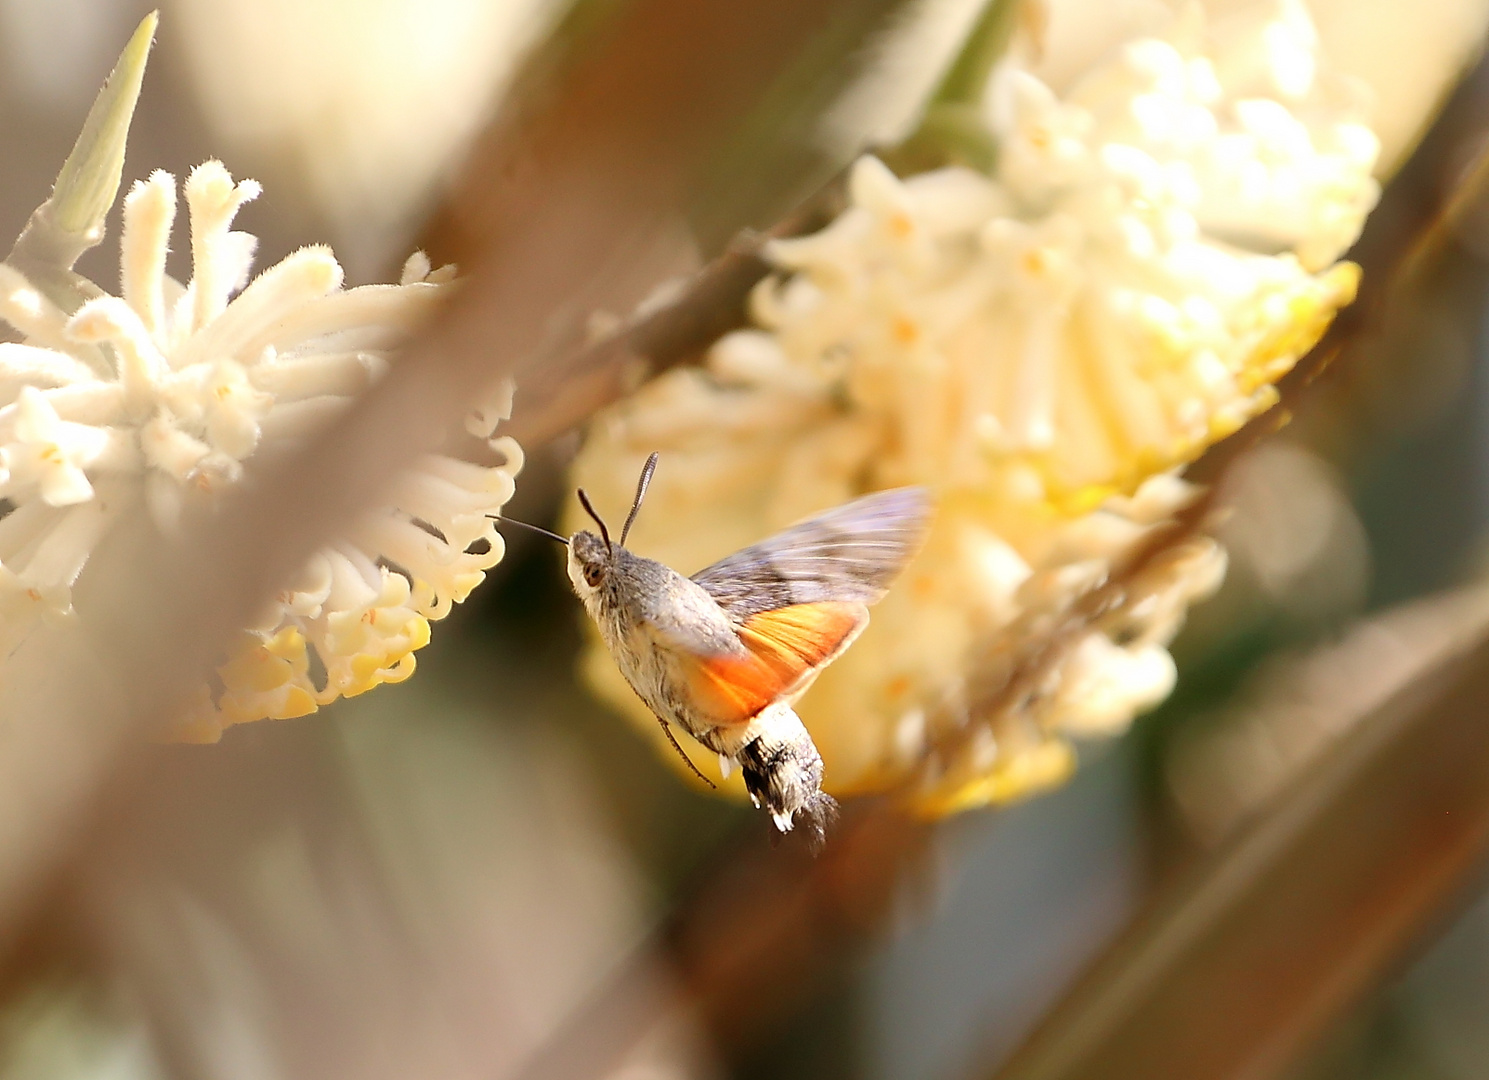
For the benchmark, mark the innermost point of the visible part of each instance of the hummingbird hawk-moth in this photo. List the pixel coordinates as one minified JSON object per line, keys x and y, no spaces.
{"x":725,"y":654}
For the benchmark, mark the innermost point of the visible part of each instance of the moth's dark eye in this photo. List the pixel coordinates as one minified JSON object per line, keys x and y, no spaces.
{"x":594,"y":573}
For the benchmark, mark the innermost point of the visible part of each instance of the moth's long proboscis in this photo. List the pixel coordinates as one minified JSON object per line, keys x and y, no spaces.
{"x":535,"y":528}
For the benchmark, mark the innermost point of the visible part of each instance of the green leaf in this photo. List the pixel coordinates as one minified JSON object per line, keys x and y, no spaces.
{"x":72,"y":220}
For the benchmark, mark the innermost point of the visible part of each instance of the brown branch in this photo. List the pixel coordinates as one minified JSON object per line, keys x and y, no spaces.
{"x":565,"y":392}
{"x":1241,"y":964}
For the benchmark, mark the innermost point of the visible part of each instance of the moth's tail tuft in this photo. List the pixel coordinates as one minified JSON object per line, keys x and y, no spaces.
{"x":818,"y":817}
{"x":783,"y":773}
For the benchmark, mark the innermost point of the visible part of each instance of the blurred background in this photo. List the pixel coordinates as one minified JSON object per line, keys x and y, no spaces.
{"x":440,"y":877}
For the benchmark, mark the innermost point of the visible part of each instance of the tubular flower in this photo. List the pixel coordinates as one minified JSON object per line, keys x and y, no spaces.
{"x":1041,"y":346}
{"x":151,"y":400}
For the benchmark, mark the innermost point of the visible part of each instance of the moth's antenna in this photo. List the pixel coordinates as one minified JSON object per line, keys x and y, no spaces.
{"x":667,"y":731}
{"x":590,"y":510}
{"x":535,"y":528}
{"x":641,"y":486}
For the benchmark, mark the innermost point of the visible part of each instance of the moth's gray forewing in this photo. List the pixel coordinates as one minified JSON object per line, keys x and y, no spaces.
{"x":851,"y":553}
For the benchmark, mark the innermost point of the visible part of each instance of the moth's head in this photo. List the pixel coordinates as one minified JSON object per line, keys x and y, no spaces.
{"x":592,"y":558}
{"x":590,"y":562}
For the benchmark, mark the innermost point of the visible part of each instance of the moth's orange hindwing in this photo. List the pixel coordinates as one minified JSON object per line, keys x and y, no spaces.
{"x":786,"y":647}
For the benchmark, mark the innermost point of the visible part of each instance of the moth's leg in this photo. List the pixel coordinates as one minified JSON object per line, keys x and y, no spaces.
{"x":667,"y":730}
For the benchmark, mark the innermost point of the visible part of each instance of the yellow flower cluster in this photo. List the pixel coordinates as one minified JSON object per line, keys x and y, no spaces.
{"x":150,"y":401}
{"x":1041,"y":346}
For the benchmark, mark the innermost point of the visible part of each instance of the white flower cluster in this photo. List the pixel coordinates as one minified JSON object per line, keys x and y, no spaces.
{"x":1149,"y":254}
{"x":148,"y":401}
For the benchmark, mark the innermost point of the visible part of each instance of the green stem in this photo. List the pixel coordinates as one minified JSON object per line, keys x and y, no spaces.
{"x":952,"y":130}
